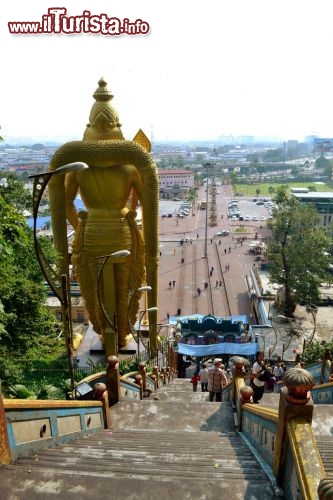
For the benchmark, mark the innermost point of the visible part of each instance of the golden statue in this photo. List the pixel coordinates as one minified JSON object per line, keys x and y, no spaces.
{"x":120,"y":174}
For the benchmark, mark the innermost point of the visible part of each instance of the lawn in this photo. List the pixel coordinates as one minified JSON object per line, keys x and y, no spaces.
{"x":250,"y":189}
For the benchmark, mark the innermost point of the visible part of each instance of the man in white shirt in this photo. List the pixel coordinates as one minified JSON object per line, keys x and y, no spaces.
{"x":257,"y":385}
{"x":203,"y":374}
{"x":278,"y":371}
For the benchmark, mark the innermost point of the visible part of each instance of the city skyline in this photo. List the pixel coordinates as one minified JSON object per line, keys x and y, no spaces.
{"x":238,"y":68}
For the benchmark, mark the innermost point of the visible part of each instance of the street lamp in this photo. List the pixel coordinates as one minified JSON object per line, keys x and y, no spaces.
{"x":206,"y":219}
{"x":268,"y":336}
{"x":313,"y":311}
{"x":111,"y":339}
{"x":259,"y":336}
{"x":132,"y":294}
{"x":142,"y":313}
{"x":58,"y":284}
{"x":40,"y":183}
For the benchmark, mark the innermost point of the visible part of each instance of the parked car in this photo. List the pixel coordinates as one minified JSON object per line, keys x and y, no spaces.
{"x":223,"y":232}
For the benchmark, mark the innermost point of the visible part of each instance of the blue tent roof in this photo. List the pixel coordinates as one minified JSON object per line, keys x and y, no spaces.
{"x":248,"y":349}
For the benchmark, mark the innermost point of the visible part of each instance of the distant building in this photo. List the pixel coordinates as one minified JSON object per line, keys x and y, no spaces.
{"x":299,"y":190}
{"x":175,"y":183}
{"x":78,"y":310}
{"x":323,"y":202}
{"x":321,"y":145}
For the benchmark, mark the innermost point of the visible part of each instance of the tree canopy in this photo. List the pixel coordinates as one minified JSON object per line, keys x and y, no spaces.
{"x":25,"y":323}
{"x":297,"y":251}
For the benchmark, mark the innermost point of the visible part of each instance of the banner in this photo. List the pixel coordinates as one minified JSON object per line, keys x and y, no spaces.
{"x":248,"y":349}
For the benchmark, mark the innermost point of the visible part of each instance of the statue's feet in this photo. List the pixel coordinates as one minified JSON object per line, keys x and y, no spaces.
{"x":127,"y":344}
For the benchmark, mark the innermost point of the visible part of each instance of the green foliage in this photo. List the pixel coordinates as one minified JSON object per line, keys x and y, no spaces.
{"x":128,"y":366}
{"x":315,"y":351}
{"x":14,"y":193}
{"x":19,"y":391}
{"x":273,"y":155}
{"x":27,"y":329}
{"x":297,"y":251}
{"x":324,"y":164}
{"x":39,"y":390}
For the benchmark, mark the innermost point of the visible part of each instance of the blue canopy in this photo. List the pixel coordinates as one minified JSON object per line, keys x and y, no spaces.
{"x":248,"y":349}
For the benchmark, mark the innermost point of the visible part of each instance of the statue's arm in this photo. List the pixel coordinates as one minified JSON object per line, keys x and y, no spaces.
{"x":71,"y":190}
{"x":138,"y":187}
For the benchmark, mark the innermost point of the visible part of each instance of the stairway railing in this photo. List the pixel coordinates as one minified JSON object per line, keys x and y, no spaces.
{"x":284,"y":437}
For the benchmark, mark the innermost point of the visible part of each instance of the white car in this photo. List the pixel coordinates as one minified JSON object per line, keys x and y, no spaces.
{"x":247,"y":217}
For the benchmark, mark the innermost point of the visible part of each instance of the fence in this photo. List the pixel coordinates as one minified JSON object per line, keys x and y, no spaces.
{"x":38,"y":376}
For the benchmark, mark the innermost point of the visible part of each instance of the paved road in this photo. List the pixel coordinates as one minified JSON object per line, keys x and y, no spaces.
{"x":231,"y":262}
{"x":183,"y":268}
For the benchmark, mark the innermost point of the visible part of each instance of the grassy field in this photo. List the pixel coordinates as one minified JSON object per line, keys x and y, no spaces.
{"x":250,"y":189}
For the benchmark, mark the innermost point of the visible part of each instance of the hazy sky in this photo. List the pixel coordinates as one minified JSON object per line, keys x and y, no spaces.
{"x":206,"y":68}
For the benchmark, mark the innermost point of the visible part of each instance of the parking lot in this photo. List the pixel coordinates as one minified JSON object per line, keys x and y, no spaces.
{"x":248,"y":210}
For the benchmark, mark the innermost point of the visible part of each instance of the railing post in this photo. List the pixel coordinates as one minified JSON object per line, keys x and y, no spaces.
{"x":245,"y":396}
{"x":5,"y":453}
{"x":295,"y":401}
{"x":325,"y":361}
{"x":325,"y":489}
{"x":138,"y":381}
{"x":163,"y":375}
{"x":143,"y":372}
{"x":155,"y":373}
{"x":241,"y":393}
{"x":113,"y":379}
{"x":101,"y":394}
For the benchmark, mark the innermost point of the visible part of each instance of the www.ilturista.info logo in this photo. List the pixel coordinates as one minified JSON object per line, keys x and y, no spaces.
{"x":56,"y":22}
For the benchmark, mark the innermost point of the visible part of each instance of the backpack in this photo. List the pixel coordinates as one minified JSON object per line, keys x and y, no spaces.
{"x":265,"y":376}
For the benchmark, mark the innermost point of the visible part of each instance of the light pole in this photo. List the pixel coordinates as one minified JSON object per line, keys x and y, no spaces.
{"x":259,"y":336}
{"x":313,"y":311}
{"x":268,"y":336}
{"x":206,"y":219}
{"x":111,"y":337}
{"x":132,"y":294}
{"x":59,"y":284}
{"x":142,"y":313}
{"x":40,"y":183}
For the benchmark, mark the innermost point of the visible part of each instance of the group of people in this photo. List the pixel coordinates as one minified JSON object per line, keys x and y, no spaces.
{"x":212,"y":379}
{"x":263,"y":378}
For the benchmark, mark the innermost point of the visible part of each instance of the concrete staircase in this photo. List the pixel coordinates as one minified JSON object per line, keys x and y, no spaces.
{"x":179,"y":446}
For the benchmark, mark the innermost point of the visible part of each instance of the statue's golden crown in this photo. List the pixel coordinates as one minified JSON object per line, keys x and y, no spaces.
{"x":103,"y":119}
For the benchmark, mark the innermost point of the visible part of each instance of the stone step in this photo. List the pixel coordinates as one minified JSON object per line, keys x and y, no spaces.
{"x":179,"y":446}
{"x":174,"y":460}
{"x":166,"y":415}
{"x":182,"y":395}
{"x":325,"y":446}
